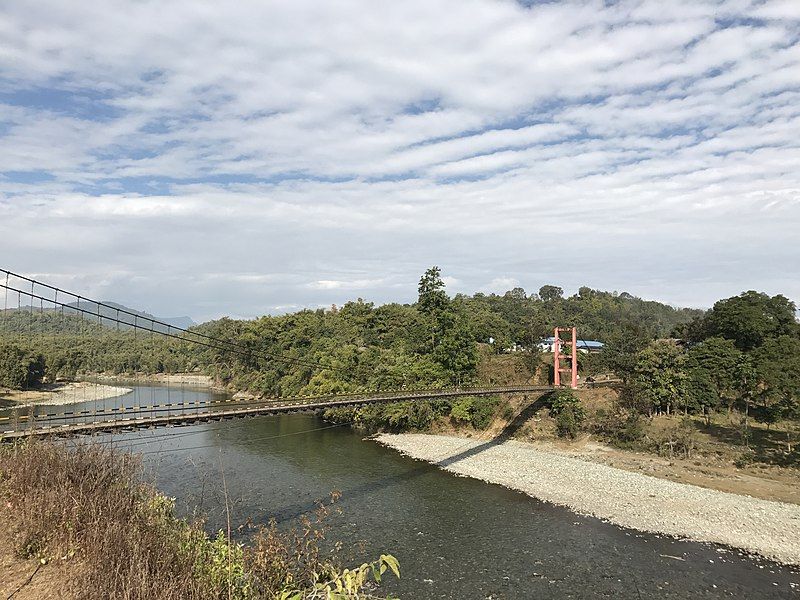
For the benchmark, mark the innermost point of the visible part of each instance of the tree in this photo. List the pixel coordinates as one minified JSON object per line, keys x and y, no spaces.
{"x":777,"y":367}
{"x":550,"y":293}
{"x":748,"y":319}
{"x":702,"y":392}
{"x":718,"y":362}
{"x":622,"y":347}
{"x":432,"y":296}
{"x":19,"y":368}
{"x":456,"y":351}
{"x":660,"y":375}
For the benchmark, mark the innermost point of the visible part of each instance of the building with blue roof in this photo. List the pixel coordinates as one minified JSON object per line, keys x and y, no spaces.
{"x":586,"y":346}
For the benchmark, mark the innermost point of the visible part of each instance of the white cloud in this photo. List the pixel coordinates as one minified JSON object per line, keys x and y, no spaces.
{"x":295,"y":154}
{"x":354,"y":284}
{"x":499,"y":285}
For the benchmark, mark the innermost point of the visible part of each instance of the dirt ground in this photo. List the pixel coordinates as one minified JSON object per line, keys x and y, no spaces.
{"x":27,"y":579}
{"x":712,"y":465}
{"x":768,"y":482}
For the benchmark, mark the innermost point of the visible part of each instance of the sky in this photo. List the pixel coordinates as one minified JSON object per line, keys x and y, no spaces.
{"x":243,"y":158}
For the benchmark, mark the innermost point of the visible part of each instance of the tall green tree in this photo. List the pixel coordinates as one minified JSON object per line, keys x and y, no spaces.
{"x":457,"y":351}
{"x":550,"y":293}
{"x":718,"y":362}
{"x":660,"y":376}
{"x":432,"y":295}
{"x":777,"y":366}
{"x":19,"y":367}
{"x":748,"y":319}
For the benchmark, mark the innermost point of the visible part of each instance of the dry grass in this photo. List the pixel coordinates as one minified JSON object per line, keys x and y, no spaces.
{"x":86,"y":509}
{"x":280,"y":559}
{"x":505,"y":369}
{"x":87,"y":505}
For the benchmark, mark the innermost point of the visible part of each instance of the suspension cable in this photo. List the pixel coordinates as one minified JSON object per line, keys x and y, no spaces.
{"x":213,"y":343}
{"x":243,"y":350}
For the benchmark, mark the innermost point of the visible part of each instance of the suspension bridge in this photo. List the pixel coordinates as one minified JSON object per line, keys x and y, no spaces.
{"x":85,"y":418}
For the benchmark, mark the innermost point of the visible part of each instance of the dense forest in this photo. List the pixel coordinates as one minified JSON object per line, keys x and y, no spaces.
{"x":743,"y":354}
{"x":432,"y":342}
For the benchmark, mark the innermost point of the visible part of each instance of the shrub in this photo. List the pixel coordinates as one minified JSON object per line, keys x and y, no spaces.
{"x":421,"y":416}
{"x":476,"y":411}
{"x":568,"y":412}
{"x":397,"y":416}
{"x":88,"y":502}
{"x":462,"y":409}
{"x":568,"y":423}
{"x":677,"y":440}
{"x":620,"y":429}
{"x":745,"y":459}
{"x":483,"y":411}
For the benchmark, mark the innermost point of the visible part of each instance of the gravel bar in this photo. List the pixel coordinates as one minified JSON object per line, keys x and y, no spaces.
{"x":770,"y":529}
{"x":74,"y":393}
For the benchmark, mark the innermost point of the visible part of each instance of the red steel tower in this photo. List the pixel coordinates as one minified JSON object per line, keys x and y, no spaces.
{"x":558,"y":357}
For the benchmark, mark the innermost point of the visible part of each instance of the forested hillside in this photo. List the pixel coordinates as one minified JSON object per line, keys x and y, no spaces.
{"x":431,"y":342}
{"x":742,"y":355}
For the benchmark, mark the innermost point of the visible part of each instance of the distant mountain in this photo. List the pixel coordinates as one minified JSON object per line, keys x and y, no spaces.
{"x":129,"y":316}
{"x":182,"y":322}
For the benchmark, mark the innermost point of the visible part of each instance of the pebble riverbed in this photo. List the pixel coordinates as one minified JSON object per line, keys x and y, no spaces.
{"x":769,"y":529}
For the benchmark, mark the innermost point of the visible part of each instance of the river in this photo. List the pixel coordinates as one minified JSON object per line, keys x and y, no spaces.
{"x":454,"y":537}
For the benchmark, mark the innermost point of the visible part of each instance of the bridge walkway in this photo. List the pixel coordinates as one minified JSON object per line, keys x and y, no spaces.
{"x":147,"y":417}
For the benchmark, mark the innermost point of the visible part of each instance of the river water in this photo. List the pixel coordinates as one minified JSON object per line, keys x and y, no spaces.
{"x":454,"y":537}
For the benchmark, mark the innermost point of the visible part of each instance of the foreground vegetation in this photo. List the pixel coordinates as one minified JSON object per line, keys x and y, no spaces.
{"x":87,"y":510}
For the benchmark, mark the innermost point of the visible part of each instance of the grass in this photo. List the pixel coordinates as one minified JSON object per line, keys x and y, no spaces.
{"x":87,"y":507}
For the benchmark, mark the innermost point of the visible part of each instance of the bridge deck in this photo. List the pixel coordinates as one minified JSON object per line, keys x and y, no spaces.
{"x":50,"y":426}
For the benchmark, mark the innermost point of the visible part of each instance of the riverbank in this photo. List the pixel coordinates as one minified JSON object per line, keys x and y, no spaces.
{"x":60,"y":394}
{"x":712,"y":471}
{"x":188,"y":379}
{"x":634,"y":500}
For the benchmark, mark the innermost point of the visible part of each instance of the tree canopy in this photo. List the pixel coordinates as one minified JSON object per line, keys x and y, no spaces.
{"x":747,"y":319}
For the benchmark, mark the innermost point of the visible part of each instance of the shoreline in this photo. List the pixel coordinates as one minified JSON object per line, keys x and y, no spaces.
{"x":632,"y":500}
{"x":62,"y":394}
{"x":192,"y":379}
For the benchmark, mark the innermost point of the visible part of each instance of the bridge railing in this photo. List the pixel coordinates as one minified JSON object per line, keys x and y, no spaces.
{"x":231,"y":406}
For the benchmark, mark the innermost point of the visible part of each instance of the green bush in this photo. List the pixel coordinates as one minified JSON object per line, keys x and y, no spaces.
{"x":462,"y":409}
{"x":417,"y":415}
{"x":568,"y":412}
{"x":483,"y":411}
{"x":475,"y":411}
{"x":396,"y":416}
{"x":568,"y":424}
{"x":620,"y":429}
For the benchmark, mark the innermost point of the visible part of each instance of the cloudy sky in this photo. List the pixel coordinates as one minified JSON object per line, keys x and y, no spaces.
{"x":248,"y":157}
